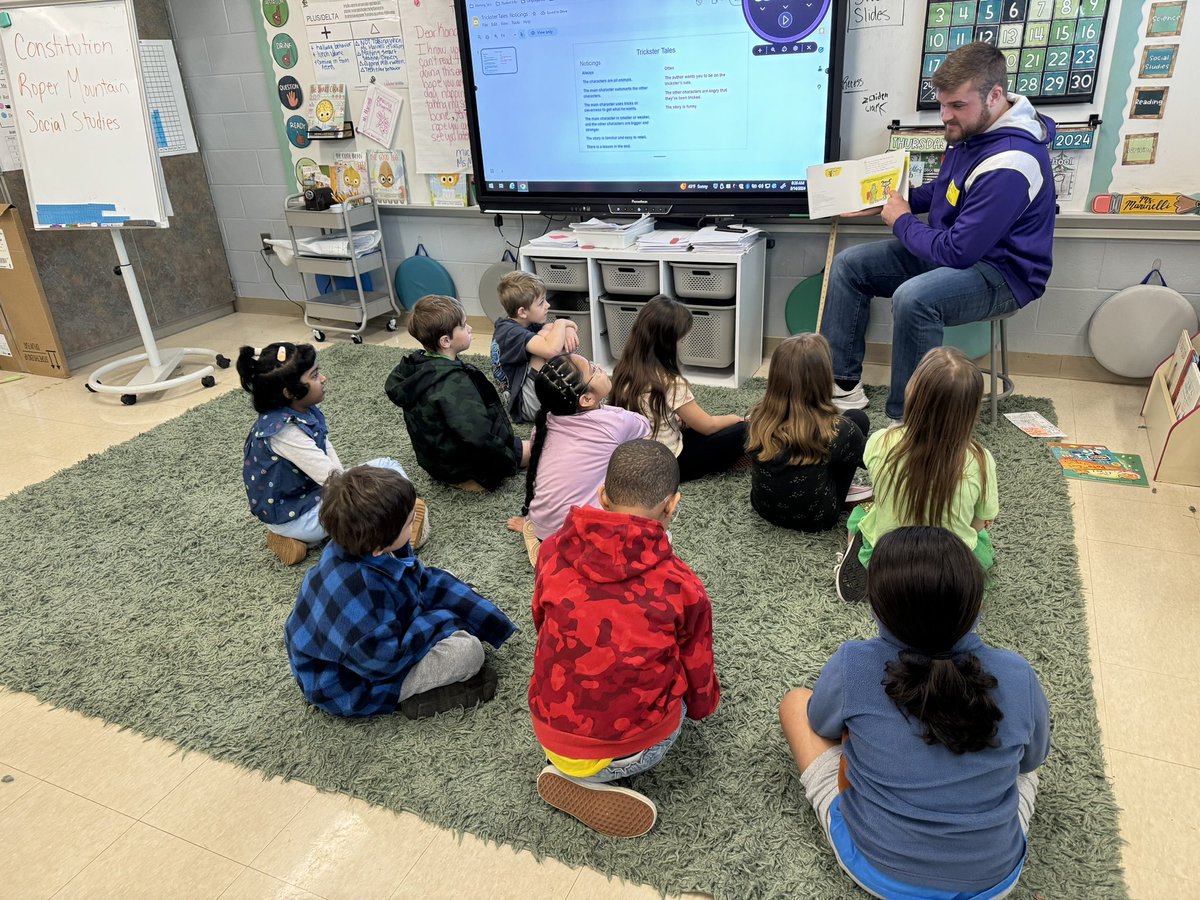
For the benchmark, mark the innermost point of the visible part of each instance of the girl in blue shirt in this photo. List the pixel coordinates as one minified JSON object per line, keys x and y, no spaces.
{"x":918,"y":749}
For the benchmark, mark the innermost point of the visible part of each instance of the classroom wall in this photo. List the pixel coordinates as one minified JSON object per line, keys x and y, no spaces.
{"x":227,"y":81}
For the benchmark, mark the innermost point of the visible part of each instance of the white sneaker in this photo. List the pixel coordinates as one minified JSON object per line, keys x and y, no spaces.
{"x":895,"y":423}
{"x":855,"y":398}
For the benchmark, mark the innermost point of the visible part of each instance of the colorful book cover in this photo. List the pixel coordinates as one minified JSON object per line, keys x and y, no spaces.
{"x":327,"y":107}
{"x":1095,"y":462}
{"x":387,"y":177}
{"x":449,"y":189}
{"x":350,"y":175}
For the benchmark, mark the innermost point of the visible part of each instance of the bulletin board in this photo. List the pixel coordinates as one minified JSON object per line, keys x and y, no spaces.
{"x":1051,"y":47}
{"x":409,"y":48}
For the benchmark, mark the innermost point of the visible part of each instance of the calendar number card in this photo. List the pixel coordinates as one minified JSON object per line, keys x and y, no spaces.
{"x":1051,"y":47}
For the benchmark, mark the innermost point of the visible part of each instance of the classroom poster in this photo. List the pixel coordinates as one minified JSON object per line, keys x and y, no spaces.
{"x":355,"y":41}
{"x":439,"y":109}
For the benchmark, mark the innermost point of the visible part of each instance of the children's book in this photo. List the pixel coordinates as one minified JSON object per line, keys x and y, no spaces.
{"x":1035,"y":424}
{"x":1175,"y":371}
{"x":1188,"y":393}
{"x":852,"y":185}
{"x":387,"y":177}
{"x":449,"y":189}
{"x":327,"y":107}
{"x":350,"y":175}
{"x":1094,"y":462}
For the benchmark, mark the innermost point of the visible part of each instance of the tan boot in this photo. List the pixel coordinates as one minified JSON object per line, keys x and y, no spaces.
{"x":289,"y":550}
{"x":471,"y":487}
{"x":420,"y":529}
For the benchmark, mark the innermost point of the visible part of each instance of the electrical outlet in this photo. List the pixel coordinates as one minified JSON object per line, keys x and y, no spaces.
{"x":267,"y":248}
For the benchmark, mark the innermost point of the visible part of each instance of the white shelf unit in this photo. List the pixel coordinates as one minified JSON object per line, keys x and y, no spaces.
{"x":1175,"y":442}
{"x":748,"y":300}
{"x":355,"y":305}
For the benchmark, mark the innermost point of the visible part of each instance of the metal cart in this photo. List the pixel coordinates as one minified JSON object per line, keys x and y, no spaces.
{"x":354,"y":305}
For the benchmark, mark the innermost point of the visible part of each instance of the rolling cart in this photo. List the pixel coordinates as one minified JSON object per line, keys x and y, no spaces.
{"x":342,"y":305}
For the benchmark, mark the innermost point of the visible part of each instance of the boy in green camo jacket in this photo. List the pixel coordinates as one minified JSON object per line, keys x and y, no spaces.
{"x":456,"y":421}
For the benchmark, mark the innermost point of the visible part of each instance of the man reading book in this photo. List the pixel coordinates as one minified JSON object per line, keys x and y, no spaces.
{"x":986,"y":249}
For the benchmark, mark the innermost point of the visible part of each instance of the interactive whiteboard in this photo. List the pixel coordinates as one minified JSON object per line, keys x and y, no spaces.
{"x":75,"y":78}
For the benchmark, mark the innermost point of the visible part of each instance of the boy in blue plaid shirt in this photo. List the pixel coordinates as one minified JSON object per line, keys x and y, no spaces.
{"x":374,"y":629}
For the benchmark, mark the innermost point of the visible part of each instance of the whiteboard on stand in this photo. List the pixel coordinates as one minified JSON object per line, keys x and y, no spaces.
{"x":75,"y":77}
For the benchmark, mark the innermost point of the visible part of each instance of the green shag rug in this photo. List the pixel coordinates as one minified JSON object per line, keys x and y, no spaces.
{"x":144,"y":594}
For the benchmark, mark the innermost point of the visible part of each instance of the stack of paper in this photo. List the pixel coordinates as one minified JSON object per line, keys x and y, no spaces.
{"x":663,"y":241}
{"x":729,"y":241}
{"x":611,"y":235}
{"x":555,"y":239}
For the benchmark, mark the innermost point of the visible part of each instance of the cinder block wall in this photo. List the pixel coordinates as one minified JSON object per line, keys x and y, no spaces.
{"x":239,"y":133}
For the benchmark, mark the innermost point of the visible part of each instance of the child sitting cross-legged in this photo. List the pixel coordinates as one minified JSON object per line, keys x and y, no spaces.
{"x":288,"y":453}
{"x":930,"y":470}
{"x":524,"y":340}
{"x":372,"y":628}
{"x":456,"y":421}
{"x":624,"y":645}
{"x":919,"y":748}
{"x":803,"y":450}
{"x":573,"y":438}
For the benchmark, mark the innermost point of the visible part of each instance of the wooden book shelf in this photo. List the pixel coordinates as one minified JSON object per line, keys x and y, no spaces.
{"x":1175,"y":443}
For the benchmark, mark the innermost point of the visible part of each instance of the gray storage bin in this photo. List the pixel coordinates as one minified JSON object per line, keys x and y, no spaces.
{"x":710,"y":342}
{"x":574,"y":306}
{"x":619,"y":316}
{"x":712,"y":282}
{"x":630,"y":277}
{"x":563,"y":274}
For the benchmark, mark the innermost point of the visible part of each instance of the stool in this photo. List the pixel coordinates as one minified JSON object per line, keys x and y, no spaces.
{"x":999,"y":324}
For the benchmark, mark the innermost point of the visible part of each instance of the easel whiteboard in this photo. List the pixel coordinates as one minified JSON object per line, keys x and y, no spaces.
{"x":76,"y":83}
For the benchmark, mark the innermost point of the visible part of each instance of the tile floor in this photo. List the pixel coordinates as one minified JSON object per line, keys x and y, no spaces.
{"x":93,"y":812}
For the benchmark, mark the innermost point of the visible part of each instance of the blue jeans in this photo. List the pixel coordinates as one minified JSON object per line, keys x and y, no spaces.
{"x":647,"y":759}
{"x":307,"y":526}
{"x":925,"y":299}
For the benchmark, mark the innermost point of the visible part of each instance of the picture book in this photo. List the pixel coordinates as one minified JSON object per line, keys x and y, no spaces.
{"x":1035,"y":424}
{"x":380,"y":113}
{"x":350,"y":175}
{"x":1094,"y":462}
{"x":1187,"y":395}
{"x":449,"y":189}
{"x":1175,"y":371}
{"x":387,"y":177}
{"x":856,"y":184}
{"x":326,"y":107}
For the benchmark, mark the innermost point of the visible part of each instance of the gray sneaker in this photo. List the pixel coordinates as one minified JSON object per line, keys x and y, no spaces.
{"x":851,"y":575}
{"x":855,"y":398}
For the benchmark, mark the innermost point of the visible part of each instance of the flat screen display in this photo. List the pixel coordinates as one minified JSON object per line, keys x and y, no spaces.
{"x":596,"y":106}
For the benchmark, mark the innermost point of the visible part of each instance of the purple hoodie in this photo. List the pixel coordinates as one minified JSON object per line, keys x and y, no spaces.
{"x":993,"y":201}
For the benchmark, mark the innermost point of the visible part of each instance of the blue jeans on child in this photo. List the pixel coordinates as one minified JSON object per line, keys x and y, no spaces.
{"x":639,"y":762}
{"x":307,"y":528}
{"x":925,"y":299}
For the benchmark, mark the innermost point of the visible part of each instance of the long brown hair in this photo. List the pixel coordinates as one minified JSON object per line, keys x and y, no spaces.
{"x":925,"y":466}
{"x":796,"y":414}
{"x":650,"y":360}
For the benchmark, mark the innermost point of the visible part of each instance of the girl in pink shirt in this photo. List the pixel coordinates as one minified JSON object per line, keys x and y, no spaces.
{"x":574,"y":436}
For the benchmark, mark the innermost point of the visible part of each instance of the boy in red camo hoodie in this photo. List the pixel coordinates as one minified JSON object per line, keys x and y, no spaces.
{"x":624,"y":648}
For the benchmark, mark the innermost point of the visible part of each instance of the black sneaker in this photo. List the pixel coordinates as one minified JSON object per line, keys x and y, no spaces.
{"x":851,"y":575}
{"x":479,"y":688}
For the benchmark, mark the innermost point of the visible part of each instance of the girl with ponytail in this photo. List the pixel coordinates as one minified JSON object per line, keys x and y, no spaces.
{"x":288,"y":454}
{"x":574,"y":436}
{"x":918,"y":749}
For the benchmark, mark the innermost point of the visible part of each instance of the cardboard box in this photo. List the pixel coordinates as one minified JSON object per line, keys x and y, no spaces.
{"x":28,"y":339}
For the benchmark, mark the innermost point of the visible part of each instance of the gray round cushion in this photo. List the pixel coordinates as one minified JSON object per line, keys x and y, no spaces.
{"x":1135,"y":329}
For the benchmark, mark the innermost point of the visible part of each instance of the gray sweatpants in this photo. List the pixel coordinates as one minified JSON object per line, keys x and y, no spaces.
{"x":452,"y":659}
